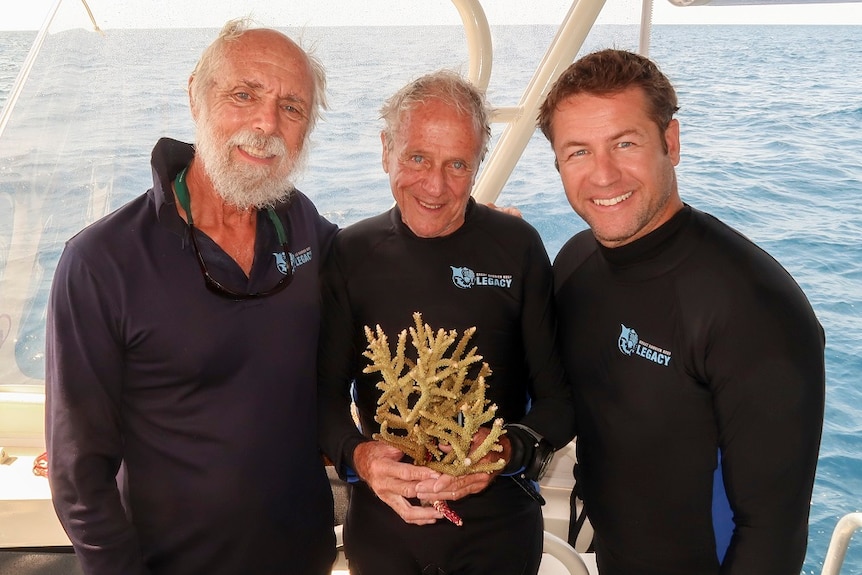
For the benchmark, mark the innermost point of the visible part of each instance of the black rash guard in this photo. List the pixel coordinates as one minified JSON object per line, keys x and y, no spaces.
{"x":492,"y":273}
{"x":686,"y":347}
{"x":207,"y":404}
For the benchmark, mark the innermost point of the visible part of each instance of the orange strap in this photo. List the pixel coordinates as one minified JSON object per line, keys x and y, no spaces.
{"x":40,"y":465}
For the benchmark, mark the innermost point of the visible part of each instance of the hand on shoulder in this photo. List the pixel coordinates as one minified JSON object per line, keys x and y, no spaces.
{"x":511,"y":210}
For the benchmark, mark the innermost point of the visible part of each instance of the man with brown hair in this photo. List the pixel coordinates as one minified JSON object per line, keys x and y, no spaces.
{"x":696,"y":360}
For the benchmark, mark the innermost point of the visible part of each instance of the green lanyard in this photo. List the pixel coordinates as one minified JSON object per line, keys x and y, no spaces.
{"x":185,"y":200}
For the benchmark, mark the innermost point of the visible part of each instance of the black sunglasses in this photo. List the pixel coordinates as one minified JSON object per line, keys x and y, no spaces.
{"x":213,"y":284}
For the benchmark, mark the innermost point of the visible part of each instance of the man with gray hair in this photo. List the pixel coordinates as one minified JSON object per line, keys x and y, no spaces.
{"x":182,"y":338}
{"x":461,"y":265}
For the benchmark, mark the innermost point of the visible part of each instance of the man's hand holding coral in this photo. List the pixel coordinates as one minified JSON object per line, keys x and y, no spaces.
{"x":394,"y":482}
{"x":448,"y":487}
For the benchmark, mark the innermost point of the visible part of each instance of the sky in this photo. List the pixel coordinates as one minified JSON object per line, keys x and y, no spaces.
{"x":16,"y":15}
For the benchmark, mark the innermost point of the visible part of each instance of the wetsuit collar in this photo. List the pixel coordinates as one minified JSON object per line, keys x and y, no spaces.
{"x":398,"y":223}
{"x":658,"y":243}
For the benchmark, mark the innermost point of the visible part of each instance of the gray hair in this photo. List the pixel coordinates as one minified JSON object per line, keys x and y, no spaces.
{"x":213,"y":58}
{"x":448,"y":87}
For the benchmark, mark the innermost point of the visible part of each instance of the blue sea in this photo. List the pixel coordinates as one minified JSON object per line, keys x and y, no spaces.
{"x":771,"y":143}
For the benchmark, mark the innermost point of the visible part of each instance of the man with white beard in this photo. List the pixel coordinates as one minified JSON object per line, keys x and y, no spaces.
{"x":182,"y":336}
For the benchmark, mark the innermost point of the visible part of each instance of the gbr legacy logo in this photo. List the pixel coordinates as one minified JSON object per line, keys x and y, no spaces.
{"x":465,"y":278}
{"x":630,"y":344}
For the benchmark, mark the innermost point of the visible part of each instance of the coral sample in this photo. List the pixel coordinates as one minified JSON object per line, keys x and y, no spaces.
{"x":433,"y":401}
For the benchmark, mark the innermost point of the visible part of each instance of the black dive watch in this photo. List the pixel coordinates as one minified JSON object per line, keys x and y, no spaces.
{"x":543,"y":453}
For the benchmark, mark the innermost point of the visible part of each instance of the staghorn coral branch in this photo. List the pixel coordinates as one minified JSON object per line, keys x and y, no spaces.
{"x":433,"y":401}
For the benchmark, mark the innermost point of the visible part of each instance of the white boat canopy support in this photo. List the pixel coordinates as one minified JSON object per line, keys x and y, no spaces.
{"x":478,"y":41}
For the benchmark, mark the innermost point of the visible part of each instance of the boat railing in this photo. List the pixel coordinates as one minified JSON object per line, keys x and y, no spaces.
{"x":520,"y":120}
{"x":27,"y":66}
{"x":840,"y":542}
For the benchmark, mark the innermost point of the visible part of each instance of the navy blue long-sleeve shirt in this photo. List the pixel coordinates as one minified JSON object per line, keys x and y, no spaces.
{"x":205,"y":406}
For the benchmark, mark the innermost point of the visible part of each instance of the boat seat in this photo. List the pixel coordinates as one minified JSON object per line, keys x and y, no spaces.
{"x":39,"y":561}
{"x":340,"y":494}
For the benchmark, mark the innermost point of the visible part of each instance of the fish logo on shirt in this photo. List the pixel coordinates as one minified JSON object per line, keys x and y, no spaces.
{"x":628,"y":340}
{"x":281,"y":262}
{"x":463,"y":277}
{"x":301,"y":257}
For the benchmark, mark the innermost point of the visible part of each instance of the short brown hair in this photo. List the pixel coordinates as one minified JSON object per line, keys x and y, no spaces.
{"x":607,"y":72}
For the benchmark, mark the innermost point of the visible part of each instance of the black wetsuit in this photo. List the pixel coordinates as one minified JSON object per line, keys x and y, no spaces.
{"x":492,"y":273}
{"x":688,"y":344}
{"x":207,"y":404}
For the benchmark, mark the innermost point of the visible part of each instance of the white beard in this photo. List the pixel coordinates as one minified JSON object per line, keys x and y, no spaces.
{"x":244,"y":185}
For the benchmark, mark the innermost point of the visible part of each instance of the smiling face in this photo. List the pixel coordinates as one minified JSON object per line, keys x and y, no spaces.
{"x":253,"y":118}
{"x":432,"y":164}
{"x":616,"y":165}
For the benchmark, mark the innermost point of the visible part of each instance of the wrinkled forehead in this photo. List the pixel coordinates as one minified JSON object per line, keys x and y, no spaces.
{"x":271,"y":57}
{"x":436,"y":115}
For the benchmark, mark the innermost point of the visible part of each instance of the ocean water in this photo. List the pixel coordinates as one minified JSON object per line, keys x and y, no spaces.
{"x":771,"y":144}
